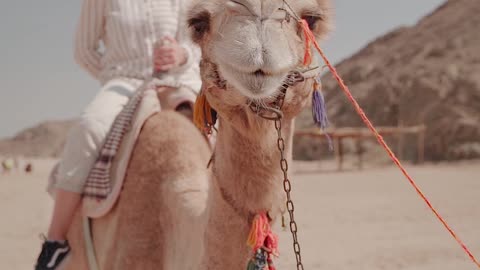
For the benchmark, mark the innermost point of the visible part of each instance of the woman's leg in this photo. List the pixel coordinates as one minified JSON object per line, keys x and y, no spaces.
{"x":80,"y":153}
{"x":66,"y":202}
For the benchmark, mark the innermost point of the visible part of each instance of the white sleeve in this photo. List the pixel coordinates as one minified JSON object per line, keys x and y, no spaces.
{"x":90,"y":30}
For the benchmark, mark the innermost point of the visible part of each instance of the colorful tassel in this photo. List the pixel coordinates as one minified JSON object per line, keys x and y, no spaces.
{"x":258,"y":232}
{"x":259,"y":262}
{"x":264,"y":244}
{"x":204,"y":117}
{"x":318,"y":101}
{"x":319,"y":111}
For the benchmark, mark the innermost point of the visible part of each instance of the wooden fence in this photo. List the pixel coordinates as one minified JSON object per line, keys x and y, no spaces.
{"x":361,"y":134}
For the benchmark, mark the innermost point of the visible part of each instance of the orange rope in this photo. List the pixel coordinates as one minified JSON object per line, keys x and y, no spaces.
{"x":369,"y":124}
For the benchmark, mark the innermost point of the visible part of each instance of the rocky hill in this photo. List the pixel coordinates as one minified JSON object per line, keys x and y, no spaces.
{"x":426,"y":74}
{"x":44,"y":140}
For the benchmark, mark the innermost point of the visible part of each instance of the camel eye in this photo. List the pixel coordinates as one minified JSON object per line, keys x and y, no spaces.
{"x":312,"y":20}
{"x":200,"y":24}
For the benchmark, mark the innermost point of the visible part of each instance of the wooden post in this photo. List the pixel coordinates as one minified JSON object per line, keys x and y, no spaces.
{"x":421,"y":145}
{"x":400,"y":142}
{"x":339,"y":153}
{"x":358,"y":145}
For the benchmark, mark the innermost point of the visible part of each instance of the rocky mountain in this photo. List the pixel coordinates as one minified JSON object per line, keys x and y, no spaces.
{"x":426,"y":74}
{"x":44,"y":140}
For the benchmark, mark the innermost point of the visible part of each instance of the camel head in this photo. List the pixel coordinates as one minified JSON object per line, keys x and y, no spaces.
{"x":250,"y":48}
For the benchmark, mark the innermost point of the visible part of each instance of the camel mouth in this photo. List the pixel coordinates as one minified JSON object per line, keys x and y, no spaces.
{"x":260,"y":73}
{"x":262,"y":85}
{"x":258,"y":84}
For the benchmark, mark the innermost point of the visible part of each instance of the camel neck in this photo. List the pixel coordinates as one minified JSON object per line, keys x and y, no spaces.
{"x":247,"y":164}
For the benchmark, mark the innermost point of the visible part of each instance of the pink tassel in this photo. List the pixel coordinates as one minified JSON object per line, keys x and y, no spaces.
{"x":262,"y":237}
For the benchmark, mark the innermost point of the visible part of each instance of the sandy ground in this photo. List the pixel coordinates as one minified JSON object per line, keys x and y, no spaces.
{"x":358,"y":220}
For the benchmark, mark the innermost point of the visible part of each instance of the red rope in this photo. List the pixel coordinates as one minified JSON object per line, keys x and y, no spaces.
{"x":382,"y":142}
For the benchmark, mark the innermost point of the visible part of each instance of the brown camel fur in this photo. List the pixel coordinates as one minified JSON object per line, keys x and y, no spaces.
{"x":160,"y":215}
{"x":172,"y":214}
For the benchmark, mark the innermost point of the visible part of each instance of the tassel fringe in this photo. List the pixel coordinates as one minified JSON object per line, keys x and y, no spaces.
{"x":264,"y":244}
{"x":319,"y":110}
{"x":204,"y":117}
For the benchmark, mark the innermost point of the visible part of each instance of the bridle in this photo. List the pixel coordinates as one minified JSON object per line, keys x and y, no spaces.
{"x":270,"y":110}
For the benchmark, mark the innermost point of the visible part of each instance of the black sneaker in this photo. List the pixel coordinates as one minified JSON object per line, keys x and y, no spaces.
{"x":52,"y":255}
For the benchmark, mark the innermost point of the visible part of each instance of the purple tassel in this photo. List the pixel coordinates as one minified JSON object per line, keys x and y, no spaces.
{"x":319,"y":112}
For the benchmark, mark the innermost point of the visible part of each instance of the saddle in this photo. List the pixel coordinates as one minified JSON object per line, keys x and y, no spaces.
{"x":95,"y":206}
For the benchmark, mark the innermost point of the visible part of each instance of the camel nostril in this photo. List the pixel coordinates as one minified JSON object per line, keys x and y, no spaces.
{"x":259,"y":73}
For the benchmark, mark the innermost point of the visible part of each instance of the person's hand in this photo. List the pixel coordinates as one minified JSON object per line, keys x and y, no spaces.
{"x":169,"y":55}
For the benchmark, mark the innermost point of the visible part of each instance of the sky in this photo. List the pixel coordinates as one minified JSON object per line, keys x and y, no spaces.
{"x":40,"y":80}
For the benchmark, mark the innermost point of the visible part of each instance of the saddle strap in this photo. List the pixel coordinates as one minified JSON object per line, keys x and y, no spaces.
{"x":89,"y":248}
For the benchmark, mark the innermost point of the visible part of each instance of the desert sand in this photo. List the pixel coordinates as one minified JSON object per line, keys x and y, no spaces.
{"x":369,"y":219}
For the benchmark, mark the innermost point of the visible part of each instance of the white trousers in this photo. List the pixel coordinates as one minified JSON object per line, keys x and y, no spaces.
{"x":88,"y":135}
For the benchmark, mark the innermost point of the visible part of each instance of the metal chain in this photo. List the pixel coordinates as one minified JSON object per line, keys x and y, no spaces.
{"x":274,"y":113}
{"x":288,"y":187}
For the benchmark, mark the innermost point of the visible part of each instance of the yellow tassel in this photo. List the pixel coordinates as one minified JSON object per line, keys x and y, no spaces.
{"x":253,"y":235}
{"x":202,"y":113}
{"x":198,"y":116}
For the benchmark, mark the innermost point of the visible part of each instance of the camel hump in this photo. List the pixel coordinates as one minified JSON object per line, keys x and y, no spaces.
{"x":171,"y":141}
{"x":166,"y":183}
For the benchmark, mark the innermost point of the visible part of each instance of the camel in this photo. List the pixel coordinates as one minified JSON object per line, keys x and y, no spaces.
{"x":173,"y":212}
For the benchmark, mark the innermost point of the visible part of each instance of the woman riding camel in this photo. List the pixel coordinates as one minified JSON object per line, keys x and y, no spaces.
{"x":117,"y":43}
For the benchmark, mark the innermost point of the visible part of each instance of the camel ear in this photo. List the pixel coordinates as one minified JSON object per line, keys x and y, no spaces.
{"x":319,"y":19}
{"x":199,"y":24}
